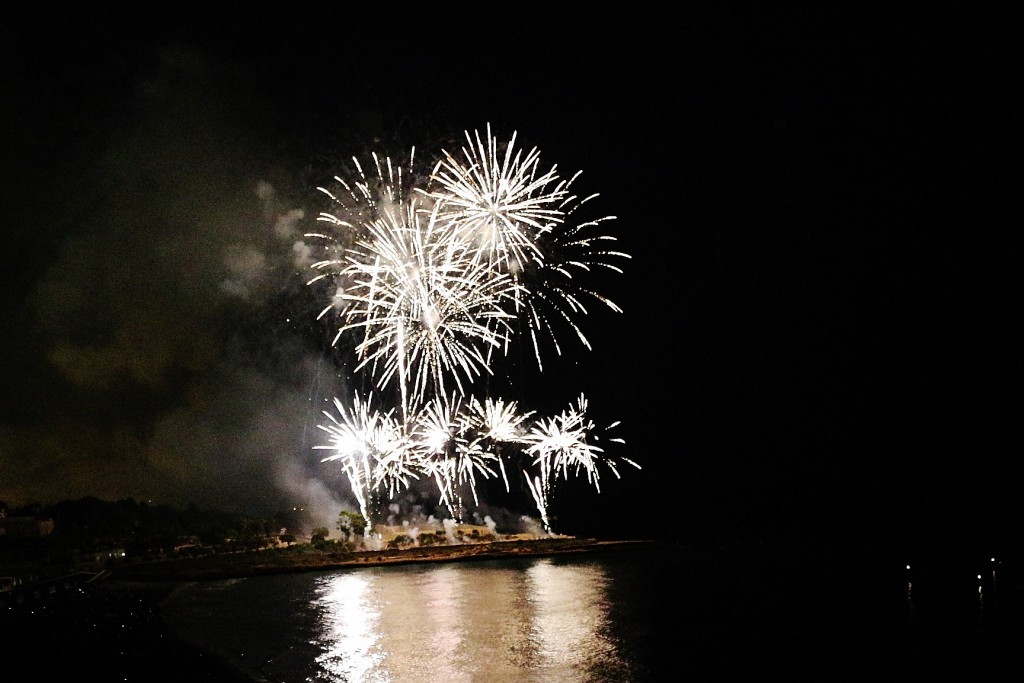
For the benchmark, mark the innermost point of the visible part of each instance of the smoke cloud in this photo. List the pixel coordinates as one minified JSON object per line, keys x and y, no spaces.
{"x":170,"y":318}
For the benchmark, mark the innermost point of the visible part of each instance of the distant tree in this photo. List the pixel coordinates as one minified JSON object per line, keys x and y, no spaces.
{"x":351,"y":524}
{"x":319,"y":535}
{"x":249,"y":527}
{"x":400,"y":541}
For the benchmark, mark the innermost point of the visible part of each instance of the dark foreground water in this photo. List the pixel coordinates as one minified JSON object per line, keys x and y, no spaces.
{"x":650,"y":614}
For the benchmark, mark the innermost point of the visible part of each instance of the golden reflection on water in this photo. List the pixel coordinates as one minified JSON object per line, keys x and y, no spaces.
{"x":569,"y":615}
{"x":349,"y":619}
{"x":466,"y":623}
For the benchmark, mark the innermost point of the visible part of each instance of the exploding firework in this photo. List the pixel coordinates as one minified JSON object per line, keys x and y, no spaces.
{"x":556,"y":292}
{"x":498,"y":202}
{"x":562,"y":446}
{"x":358,"y":437}
{"x":425,"y":311}
{"x":516,"y":216}
{"x":447,"y":454}
{"x":495,"y":424}
{"x":428,"y":284}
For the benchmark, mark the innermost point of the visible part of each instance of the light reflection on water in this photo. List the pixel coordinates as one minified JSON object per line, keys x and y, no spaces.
{"x":465,"y":623}
{"x":349,"y":622}
{"x":642,"y":616}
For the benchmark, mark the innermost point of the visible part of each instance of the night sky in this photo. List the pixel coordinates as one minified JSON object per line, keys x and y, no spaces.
{"x":816,"y":336}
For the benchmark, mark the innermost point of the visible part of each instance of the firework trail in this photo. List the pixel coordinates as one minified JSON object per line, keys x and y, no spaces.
{"x":430,"y":277}
{"x":562,"y":446}
{"x":353,"y":438}
{"x":494,"y":423}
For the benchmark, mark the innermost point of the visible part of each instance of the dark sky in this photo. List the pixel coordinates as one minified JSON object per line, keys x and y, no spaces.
{"x":817,"y":312}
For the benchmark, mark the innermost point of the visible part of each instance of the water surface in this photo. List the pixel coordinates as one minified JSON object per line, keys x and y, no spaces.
{"x":624,"y":616}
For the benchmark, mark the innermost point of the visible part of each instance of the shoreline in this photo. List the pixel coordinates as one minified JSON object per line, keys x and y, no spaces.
{"x":263,"y":562}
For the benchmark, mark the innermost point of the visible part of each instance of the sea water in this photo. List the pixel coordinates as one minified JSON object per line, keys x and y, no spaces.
{"x":646,"y":614}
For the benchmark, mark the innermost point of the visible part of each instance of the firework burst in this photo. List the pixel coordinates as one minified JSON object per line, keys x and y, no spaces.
{"x":356,"y":436}
{"x":563,"y":446}
{"x":426,"y":312}
{"x":428,"y":283}
{"x":557,"y":292}
{"x":498,"y":200}
{"x":495,"y":423}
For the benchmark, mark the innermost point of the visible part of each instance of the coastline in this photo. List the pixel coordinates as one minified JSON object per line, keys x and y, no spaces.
{"x":261,"y":562}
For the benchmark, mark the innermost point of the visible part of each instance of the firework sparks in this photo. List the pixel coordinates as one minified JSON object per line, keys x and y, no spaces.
{"x":495,"y":422}
{"x":426,"y":311}
{"x":556,"y":287}
{"x":430,"y":277}
{"x":498,"y":203}
{"x":562,"y":446}
{"x":353,"y":436}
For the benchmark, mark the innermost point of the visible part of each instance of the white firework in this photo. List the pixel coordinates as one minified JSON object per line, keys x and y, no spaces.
{"x":556,"y":288}
{"x":353,"y":434}
{"x":496,"y":197}
{"x":427,"y":315}
{"x":494,"y":422}
{"x":450,"y":453}
{"x":518,"y":218}
{"x":562,"y":446}
{"x":428,"y":280}
{"x":364,"y":198}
